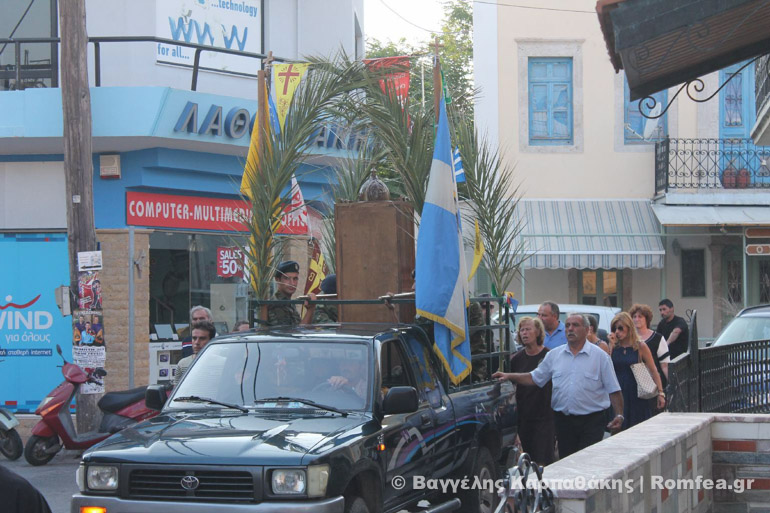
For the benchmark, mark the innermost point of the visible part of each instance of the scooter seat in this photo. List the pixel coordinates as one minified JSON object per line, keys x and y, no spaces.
{"x":115,"y":401}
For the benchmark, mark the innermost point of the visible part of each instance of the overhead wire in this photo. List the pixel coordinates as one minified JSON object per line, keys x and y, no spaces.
{"x":518,"y":6}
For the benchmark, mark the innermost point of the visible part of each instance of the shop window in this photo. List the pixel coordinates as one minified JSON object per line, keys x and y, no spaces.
{"x":38,"y":62}
{"x":550,"y":101}
{"x":693,"y":273}
{"x":600,"y":287}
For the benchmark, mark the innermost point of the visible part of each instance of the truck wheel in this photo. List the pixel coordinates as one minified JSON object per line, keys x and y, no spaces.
{"x":481,"y":500}
{"x":10,"y":444}
{"x":355,"y":504}
{"x":35,"y":450}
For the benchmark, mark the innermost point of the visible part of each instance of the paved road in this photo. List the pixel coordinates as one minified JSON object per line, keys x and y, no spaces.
{"x":56,"y":480}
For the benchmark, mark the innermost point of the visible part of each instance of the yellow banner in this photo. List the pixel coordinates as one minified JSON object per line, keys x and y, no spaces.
{"x":251,"y":170}
{"x":478,"y":252}
{"x":286,"y":78}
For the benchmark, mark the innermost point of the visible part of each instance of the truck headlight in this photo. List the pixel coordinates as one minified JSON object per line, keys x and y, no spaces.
{"x":290,"y":481}
{"x":102,"y":477}
{"x":317,"y":479}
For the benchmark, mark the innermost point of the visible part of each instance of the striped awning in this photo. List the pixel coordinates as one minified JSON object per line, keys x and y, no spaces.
{"x":590,"y":234}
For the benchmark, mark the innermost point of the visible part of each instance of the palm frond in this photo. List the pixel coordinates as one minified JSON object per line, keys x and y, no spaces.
{"x":492,"y":197}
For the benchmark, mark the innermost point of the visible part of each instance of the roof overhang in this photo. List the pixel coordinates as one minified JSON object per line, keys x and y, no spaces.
{"x":663,"y":43}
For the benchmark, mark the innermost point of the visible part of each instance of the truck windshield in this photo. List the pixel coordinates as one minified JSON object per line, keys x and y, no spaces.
{"x":279,"y":375}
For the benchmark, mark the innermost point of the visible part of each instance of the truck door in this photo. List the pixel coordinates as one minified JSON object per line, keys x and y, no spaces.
{"x":443,"y":438}
{"x":408,"y":452}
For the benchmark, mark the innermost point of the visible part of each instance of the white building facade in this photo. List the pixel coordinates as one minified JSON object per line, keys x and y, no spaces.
{"x":604,"y":226}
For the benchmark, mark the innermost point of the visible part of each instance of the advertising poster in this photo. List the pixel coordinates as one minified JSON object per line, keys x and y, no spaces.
{"x":88,"y":351}
{"x":230,"y":24}
{"x":89,"y":290}
{"x":31,"y":325}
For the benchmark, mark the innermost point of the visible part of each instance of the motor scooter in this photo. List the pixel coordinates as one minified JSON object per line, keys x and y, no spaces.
{"x":10,"y":442}
{"x":56,"y":431}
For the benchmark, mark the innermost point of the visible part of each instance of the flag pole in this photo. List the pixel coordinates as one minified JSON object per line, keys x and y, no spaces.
{"x":437,"y":89}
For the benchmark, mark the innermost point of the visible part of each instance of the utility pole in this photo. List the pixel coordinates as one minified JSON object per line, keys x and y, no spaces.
{"x":437,"y":85}
{"x":78,"y":162}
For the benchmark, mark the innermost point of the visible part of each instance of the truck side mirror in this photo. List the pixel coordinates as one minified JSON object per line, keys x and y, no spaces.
{"x":400,"y":400}
{"x":155,"y":397}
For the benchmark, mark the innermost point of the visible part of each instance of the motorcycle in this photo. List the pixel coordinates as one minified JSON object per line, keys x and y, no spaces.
{"x":55,"y":429}
{"x":10,"y":442}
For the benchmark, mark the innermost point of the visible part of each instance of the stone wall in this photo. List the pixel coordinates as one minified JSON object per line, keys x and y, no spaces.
{"x":674,"y":462}
{"x":114,"y":277}
{"x":741,"y":450}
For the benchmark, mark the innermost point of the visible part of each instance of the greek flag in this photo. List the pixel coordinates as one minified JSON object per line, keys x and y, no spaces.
{"x":458,"y":166}
{"x":441,"y":280}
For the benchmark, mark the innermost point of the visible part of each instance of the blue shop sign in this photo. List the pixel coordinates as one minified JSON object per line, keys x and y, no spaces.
{"x":238,"y":121}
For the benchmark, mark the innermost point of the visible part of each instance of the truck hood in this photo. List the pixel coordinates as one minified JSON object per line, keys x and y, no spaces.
{"x":238,"y":439}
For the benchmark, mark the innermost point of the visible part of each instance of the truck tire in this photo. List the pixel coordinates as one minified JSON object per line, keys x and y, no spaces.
{"x":481,"y":500}
{"x":355,"y":504}
{"x":10,"y":444}
{"x":35,"y":450}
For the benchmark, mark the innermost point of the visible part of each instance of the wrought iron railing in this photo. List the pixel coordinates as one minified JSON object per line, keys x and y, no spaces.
{"x":733,"y":378}
{"x":762,"y":82}
{"x":716,"y":164}
{"x":736,"y":378}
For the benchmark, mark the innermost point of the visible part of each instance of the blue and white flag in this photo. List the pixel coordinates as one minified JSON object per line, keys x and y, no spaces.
{"x":457,"y":162}
{"x":441,"y":278}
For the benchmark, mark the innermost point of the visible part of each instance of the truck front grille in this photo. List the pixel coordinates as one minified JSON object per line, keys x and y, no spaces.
{"x":211,"y":485}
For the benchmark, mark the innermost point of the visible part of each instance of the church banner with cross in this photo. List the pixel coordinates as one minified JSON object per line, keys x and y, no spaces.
{"x":286,"y":79}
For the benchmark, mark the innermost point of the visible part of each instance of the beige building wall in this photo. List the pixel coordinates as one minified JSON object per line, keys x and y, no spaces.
{"x":115,"y":289}
{"x":598,"y":164}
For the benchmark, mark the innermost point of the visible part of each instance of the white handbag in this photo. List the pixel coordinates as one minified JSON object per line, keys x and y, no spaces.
{"x":645,"y":385}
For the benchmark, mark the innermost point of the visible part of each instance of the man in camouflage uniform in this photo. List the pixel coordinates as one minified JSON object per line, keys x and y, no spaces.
{"x":478,"y":340}
{"x":327,"y":314}
{"x":286,"y":279}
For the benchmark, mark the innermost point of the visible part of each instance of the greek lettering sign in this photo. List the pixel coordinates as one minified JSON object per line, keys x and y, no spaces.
{"x":30,"y":322}
{"x":230,"y":24}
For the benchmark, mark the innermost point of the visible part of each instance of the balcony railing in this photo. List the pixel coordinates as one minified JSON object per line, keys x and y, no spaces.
{"x":762,"y":82}
{"x":23,"y":73}
{"x":715,"y":164}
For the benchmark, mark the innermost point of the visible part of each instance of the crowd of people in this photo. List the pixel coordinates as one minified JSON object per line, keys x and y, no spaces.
{"x":573,"y":387}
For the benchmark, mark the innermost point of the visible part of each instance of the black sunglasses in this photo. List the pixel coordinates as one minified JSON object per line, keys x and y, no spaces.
{"x":619,"y":327}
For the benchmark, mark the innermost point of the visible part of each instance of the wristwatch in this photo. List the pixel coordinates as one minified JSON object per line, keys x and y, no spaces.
{"x":621,"y":417}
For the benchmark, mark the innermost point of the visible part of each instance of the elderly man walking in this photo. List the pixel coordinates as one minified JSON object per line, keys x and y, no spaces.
{"x":584,"y":385}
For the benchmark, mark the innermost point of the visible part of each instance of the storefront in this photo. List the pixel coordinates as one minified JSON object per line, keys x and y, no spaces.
{"x":166,"y":204}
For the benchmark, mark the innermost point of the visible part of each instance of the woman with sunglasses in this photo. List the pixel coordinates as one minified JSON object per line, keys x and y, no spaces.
{"x":642,"y":317}
{"x":627,"y":349}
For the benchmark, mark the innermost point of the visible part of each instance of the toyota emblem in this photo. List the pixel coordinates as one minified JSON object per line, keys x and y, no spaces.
{"x":190,"y":482}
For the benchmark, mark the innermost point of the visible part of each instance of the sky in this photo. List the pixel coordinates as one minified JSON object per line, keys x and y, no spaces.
{"x":381,"y":23}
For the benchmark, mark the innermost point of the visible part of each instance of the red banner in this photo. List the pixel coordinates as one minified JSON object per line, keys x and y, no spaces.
{"x":170,"y":211}
{"x":229,"y":261}
{"x":398,"y":80}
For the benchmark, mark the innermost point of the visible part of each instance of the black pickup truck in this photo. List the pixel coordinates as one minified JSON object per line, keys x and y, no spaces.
{"x":341,"y":418}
